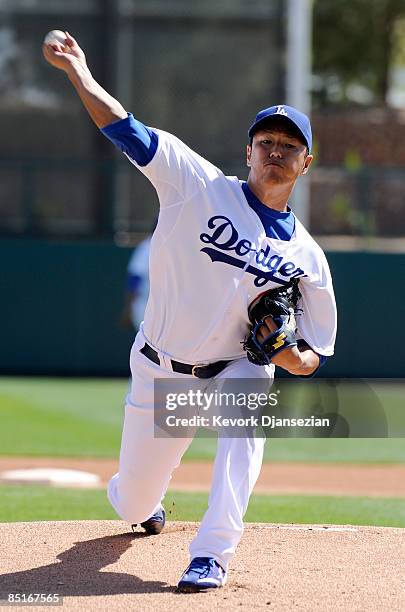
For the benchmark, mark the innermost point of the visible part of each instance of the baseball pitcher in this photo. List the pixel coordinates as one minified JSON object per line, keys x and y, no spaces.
{"x":237,"y":286}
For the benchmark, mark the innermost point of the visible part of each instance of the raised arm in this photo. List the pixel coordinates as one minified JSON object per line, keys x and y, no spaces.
{"x":101,"y":106}
{"x":177,"y":172}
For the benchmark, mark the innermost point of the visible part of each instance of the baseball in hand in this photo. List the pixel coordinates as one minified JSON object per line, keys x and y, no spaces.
{"x":55,"y":37}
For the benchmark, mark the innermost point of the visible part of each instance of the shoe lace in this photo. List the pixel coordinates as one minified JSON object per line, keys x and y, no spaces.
{"x":202,"y":566}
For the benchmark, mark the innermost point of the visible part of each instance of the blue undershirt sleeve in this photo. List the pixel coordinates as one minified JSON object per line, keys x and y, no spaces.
{"x":133,"y":138}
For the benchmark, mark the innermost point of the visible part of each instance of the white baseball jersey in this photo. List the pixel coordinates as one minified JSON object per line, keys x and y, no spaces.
{"x":210,"y":257}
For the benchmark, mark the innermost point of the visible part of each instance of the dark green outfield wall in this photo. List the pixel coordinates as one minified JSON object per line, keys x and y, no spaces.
{"x":370,"y":295}
{"x":60,"y":305}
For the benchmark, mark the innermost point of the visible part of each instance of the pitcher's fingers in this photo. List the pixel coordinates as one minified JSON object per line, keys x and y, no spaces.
{"x":270,"y":324}
{"x":50,"y":51}
{"x":263,"y":332}
{"x":72,"y":42}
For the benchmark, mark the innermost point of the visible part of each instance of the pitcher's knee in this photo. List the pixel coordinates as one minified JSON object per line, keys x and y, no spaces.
{"x":135,"y":512}
{"x":134,"y":506}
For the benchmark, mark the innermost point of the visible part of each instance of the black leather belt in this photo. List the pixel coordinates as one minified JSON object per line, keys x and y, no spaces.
{"x":200,"y":371}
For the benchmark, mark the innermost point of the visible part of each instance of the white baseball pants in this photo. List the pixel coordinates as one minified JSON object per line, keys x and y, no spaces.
{"x":147,"y":462}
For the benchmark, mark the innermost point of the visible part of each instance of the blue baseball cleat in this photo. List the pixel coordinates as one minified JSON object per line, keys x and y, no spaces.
{"x":154,"y":524}
{"x":202,"y":574}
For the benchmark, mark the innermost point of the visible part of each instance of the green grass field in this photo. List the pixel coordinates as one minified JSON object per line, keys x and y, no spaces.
{"x":83,"y":417}
{"x":36,"y":503}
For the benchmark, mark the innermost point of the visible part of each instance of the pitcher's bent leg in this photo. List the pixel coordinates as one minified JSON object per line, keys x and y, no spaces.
{"x":146,"y":465}
{"x":146,"y":461}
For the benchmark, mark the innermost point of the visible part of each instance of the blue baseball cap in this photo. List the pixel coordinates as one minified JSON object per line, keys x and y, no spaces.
{"x":289,"y":113}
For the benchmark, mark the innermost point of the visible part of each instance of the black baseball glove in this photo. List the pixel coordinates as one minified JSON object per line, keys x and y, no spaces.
{"x":281,"y":305}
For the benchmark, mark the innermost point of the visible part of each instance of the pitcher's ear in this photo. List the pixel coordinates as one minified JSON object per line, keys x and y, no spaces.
{"x":307,"y":163}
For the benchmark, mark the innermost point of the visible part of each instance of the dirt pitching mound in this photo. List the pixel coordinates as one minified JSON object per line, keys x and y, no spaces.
{"x":100,"y":565}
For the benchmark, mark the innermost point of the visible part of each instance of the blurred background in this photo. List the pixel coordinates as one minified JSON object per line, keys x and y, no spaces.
{"x":72,"y":208}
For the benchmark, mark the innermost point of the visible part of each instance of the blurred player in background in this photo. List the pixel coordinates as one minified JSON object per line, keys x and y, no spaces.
{"x":137,"y":285}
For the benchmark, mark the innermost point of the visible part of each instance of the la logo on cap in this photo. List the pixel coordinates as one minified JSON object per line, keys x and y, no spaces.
{"x":281,"y":111}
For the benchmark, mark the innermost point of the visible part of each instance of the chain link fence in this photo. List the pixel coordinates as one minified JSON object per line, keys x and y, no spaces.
{"x":200,"y":70}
